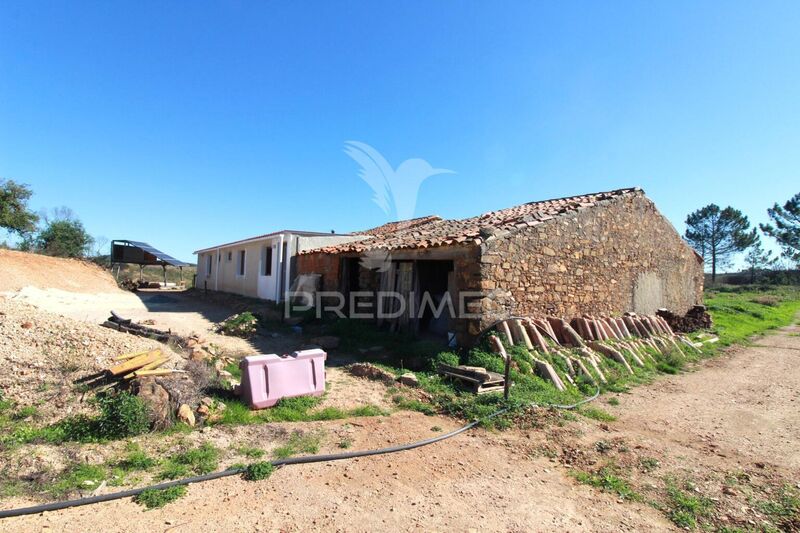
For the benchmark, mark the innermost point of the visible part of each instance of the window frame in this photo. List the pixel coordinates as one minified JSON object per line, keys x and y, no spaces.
{"x":241,"y":265}
{"x":266,"y":268}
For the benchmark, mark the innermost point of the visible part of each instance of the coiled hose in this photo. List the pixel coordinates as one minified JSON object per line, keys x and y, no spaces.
{"x":55,"y":506}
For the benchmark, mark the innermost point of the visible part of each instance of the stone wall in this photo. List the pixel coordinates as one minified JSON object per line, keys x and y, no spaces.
{"x":618,"y":256}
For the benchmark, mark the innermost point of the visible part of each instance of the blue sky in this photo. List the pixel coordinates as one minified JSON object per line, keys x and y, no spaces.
{"x":190,"y":124}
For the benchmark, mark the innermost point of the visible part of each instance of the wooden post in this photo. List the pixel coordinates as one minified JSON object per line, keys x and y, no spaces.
{"x":507,"y":378}
{"x":165,"y":275}
{"x":498,"y":346}
{"x":141,"y":268}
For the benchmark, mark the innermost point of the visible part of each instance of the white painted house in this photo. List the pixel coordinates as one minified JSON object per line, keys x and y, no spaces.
{"x":260,"y":267}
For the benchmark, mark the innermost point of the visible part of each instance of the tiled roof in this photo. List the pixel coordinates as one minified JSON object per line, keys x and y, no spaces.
{"x":392,"y":227}
{"x":475,"y":229}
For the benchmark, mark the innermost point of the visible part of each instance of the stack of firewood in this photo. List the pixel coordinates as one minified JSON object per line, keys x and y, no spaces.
{"x":586,"y":343}
{"x":140,"y":364}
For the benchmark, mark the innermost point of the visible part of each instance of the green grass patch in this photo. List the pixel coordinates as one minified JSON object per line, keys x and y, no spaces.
{"x":258,"y":471}
{"x":192,"y":462}
{"x":299,"y":409}
{"x":121,"y":415}
{"x":250,"y":451}
{"x":686,"y":509}
{"x":135,"y":459}
{"x":783,"y":508}
{"x":155,"y":498}
{"x":307,"y":443}
{"x":80,"y":476}
{"x":608,"y":480}
{"x":595,"y":413}
{"x":612,"y":401}
{"x":746,"y":311}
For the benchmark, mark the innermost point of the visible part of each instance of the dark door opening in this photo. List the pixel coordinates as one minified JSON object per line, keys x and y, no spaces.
{"x":435,"y":279}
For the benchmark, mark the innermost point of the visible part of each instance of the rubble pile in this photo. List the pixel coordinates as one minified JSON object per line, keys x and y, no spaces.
{"x":695,"y":319}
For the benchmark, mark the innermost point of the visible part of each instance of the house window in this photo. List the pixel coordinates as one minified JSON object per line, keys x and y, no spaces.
{"x":240,"y":262}
{"x":208,"y":265}
{"x":267,"y":260}
{"x":230,"y":256}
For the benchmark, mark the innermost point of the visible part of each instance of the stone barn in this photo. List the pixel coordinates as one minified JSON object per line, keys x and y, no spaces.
{"x":602,"y":253}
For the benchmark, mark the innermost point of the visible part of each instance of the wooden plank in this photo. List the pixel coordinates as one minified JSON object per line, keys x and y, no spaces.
{"x":133,"y":364}
{"x":129,"y":355}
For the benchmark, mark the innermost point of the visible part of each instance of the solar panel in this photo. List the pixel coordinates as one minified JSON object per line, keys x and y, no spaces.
{"x":161,"y":256}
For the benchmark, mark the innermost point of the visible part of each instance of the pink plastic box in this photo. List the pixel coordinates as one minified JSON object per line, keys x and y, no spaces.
{"x":268,"y":378}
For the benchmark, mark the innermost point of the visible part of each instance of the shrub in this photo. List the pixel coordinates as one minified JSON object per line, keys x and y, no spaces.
{"x":258,"y":471}
{"x":155,"y":498}
{"x":121,"y":415}
{"x":241,"y":325}
{"x":444,"y":358}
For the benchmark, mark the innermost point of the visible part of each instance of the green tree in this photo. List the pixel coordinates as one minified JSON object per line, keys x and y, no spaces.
{"x":785,"y":227}
{"x":64,"y":238}
{"x":14,"y":214}
{"x":758,"y":259}
{"x":718,"y":234}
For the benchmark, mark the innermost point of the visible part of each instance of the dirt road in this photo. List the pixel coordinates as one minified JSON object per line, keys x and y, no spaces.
{"x":737,"y":413}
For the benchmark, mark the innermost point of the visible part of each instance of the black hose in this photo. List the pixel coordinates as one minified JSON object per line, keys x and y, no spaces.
{"x":55,"y":506}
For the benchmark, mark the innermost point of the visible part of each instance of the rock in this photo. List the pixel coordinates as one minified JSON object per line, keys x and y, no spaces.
{"x":156,"y":398}
{"x":206,"y":400}
{"x":409,"y":379}
{"x":203,"y":410}
{"x":326,"y":342}
{"x":26,"y":325}
{"x":186,"y":415}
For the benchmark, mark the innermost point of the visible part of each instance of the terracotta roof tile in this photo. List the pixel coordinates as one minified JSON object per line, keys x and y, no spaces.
{"x":426,"y":232}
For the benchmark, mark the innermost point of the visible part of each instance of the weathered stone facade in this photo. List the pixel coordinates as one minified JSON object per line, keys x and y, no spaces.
{"x":618,"y":256}
{"x":605,"y":257}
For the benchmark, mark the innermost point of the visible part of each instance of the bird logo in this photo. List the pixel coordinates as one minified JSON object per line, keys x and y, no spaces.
{"x":395,"y":191}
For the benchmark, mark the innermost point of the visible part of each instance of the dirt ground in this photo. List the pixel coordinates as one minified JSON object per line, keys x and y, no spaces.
{"x":20,"y":269}
{"x":734,"y":414}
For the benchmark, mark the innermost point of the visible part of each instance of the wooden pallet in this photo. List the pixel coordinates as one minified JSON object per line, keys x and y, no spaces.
{"x":479,"y":380}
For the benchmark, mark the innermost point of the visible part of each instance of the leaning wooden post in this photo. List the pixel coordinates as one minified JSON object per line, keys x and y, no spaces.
{"x":498,"y":345}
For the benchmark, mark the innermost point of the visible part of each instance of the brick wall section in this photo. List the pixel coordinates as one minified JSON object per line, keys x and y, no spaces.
{"x":618,"y":256}
{"x":318,"y":263}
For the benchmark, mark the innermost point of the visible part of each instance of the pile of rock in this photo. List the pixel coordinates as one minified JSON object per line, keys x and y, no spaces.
{"x":695,"y":319}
